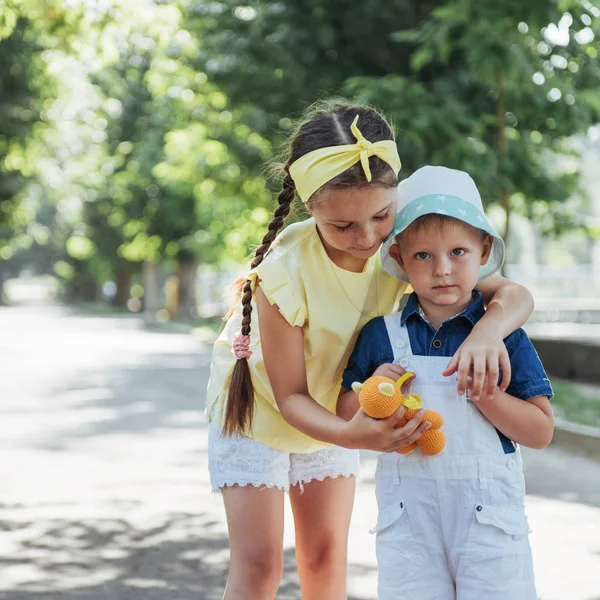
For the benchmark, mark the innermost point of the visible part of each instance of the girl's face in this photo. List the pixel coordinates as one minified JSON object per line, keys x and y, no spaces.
{"x":353,"y":222}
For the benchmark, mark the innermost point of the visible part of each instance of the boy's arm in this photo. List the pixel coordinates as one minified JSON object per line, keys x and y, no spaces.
{"x":527,"y":422}
{"x":522,"y":413}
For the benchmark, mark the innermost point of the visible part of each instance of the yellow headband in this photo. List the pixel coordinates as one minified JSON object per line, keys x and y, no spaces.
{"x":320,"y":166}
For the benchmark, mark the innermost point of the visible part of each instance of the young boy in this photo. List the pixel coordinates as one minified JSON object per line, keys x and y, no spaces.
{"x":452,"y":526}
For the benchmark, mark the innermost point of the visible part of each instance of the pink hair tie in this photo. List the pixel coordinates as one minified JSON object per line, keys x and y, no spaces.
{"x":241,"y":346}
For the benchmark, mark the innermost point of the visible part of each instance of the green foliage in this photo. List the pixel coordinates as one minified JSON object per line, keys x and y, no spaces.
{"x":492,"y":88}
{"x":577,"y":404}
{"x":20,"y":104}
{"x":139,"y":130}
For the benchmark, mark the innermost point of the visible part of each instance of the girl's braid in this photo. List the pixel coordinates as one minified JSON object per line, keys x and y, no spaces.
{"x":240,"y":404}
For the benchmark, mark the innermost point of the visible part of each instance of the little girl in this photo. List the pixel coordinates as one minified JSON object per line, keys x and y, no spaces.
{"x":277,"y":367}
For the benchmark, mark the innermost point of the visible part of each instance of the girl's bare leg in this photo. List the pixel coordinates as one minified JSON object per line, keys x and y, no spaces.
{"x":255,"y":523}
{"x":322,"y":519}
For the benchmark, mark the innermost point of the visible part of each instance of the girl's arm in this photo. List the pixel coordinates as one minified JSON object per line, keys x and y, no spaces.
{"x":530,"y":423}
{"x":283,"y":353}
{"x":509,"y":307}
{"x":347,"y":405}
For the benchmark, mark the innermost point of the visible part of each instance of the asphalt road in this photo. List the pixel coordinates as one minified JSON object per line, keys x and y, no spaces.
{"x":103,"y":485}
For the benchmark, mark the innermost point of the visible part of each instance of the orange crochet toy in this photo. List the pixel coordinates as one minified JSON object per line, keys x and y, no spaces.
{"x":380,"y":398}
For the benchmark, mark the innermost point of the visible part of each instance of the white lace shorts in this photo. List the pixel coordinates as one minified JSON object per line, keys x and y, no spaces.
{"x":239,"y":460}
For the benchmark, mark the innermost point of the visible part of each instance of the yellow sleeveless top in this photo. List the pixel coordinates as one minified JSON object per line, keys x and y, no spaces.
{"x":330,"y":304}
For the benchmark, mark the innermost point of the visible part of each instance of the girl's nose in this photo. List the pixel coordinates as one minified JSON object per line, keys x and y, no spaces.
{"x":367,"y":238}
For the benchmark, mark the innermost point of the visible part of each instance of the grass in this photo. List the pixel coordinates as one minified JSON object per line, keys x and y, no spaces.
{"x":575,"y":404}
{"x":213,"y":324}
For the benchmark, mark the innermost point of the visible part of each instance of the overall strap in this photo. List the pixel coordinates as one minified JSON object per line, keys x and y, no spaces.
{"x":398,"y":335}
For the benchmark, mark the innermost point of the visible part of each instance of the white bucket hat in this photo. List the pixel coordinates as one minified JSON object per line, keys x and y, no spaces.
{"x":443,"y":191}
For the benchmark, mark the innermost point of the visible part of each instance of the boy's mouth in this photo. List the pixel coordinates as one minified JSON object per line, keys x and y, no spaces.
{"x":443,"y":287}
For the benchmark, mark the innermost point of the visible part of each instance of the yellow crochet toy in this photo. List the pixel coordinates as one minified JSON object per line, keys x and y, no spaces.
{"x":380,"y":398}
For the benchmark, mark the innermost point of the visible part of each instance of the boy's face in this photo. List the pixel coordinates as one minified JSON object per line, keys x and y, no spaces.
{"x":442,"y":260}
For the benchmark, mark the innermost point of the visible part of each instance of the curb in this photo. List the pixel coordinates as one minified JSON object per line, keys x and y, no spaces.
{"x":574,"y":359}
{"x":580,"y":438}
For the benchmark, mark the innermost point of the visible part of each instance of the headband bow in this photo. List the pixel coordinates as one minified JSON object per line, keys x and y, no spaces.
{"x":318,"y":167}
{"x":367,"y":148}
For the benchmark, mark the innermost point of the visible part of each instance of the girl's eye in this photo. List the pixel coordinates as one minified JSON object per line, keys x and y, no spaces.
{"x":421,"y":255}
{"x":458,"y":252}
{"x":344,"y":228}
{"x":383,"y":217}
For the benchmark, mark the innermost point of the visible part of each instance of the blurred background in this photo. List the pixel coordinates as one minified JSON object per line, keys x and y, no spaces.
{"x":134,"y":142}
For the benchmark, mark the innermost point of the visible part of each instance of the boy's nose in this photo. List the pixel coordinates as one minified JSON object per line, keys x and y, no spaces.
{"x":442,"y":267}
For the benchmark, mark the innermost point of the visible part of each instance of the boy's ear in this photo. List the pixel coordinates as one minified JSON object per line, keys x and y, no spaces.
{"x":487,"y":249}
{"x":395,"y":254}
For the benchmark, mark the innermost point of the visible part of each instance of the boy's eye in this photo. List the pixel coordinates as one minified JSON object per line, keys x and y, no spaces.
{"x":458,"y":252}
{"x":344,"y":228}
{"x":422,"y":255}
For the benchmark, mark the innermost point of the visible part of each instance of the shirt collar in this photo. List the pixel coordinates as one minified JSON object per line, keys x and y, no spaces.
{"x":472,"y":313}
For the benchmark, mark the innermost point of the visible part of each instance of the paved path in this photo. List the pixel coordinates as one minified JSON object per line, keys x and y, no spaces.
{"x":103,"y":484}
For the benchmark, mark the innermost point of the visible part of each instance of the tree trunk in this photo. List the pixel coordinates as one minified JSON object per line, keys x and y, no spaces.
{"x":86,"y":288}
{"x":123,"y":288}
{"x":502,"y":153}
{"x":187,"y":272}
{"x":501,"y":114}
{"x":151,"y":298}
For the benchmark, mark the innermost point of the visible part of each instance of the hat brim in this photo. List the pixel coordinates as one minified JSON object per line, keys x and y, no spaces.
{"x":456,"y":208}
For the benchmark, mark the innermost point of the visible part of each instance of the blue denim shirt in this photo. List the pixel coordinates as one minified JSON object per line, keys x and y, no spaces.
{"x":373,"y":348}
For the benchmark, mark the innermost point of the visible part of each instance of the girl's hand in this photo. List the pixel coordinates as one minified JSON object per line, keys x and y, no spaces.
{"x":484,"y":399}
{"x":479,"y":356}
{"x":381,"y":435}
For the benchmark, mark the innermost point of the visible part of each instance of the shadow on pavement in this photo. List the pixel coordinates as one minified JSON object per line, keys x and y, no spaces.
{"x":120,"y":437}
{"x":113,"y":560}
{"x":183,"y":558}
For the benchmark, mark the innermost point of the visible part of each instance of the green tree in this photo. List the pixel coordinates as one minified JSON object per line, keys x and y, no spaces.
{"x":497,"y":89}
{"x":493,"y":88}
{"x":24,"y":84}
{"x":275,"y":58}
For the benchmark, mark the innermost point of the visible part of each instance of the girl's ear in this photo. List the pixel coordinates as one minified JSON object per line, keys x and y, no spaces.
{"x":395,"y":254}
{"x":487,"y":248}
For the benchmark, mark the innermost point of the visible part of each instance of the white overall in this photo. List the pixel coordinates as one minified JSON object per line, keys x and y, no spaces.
{"x":452,"y":526}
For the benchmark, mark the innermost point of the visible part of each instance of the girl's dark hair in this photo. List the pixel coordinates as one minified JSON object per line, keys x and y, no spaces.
{"x":325,"y":124}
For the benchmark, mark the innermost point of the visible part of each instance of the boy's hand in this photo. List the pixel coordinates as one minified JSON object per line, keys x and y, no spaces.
{"x":480,"y":356}
{"x":391,"y":371}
